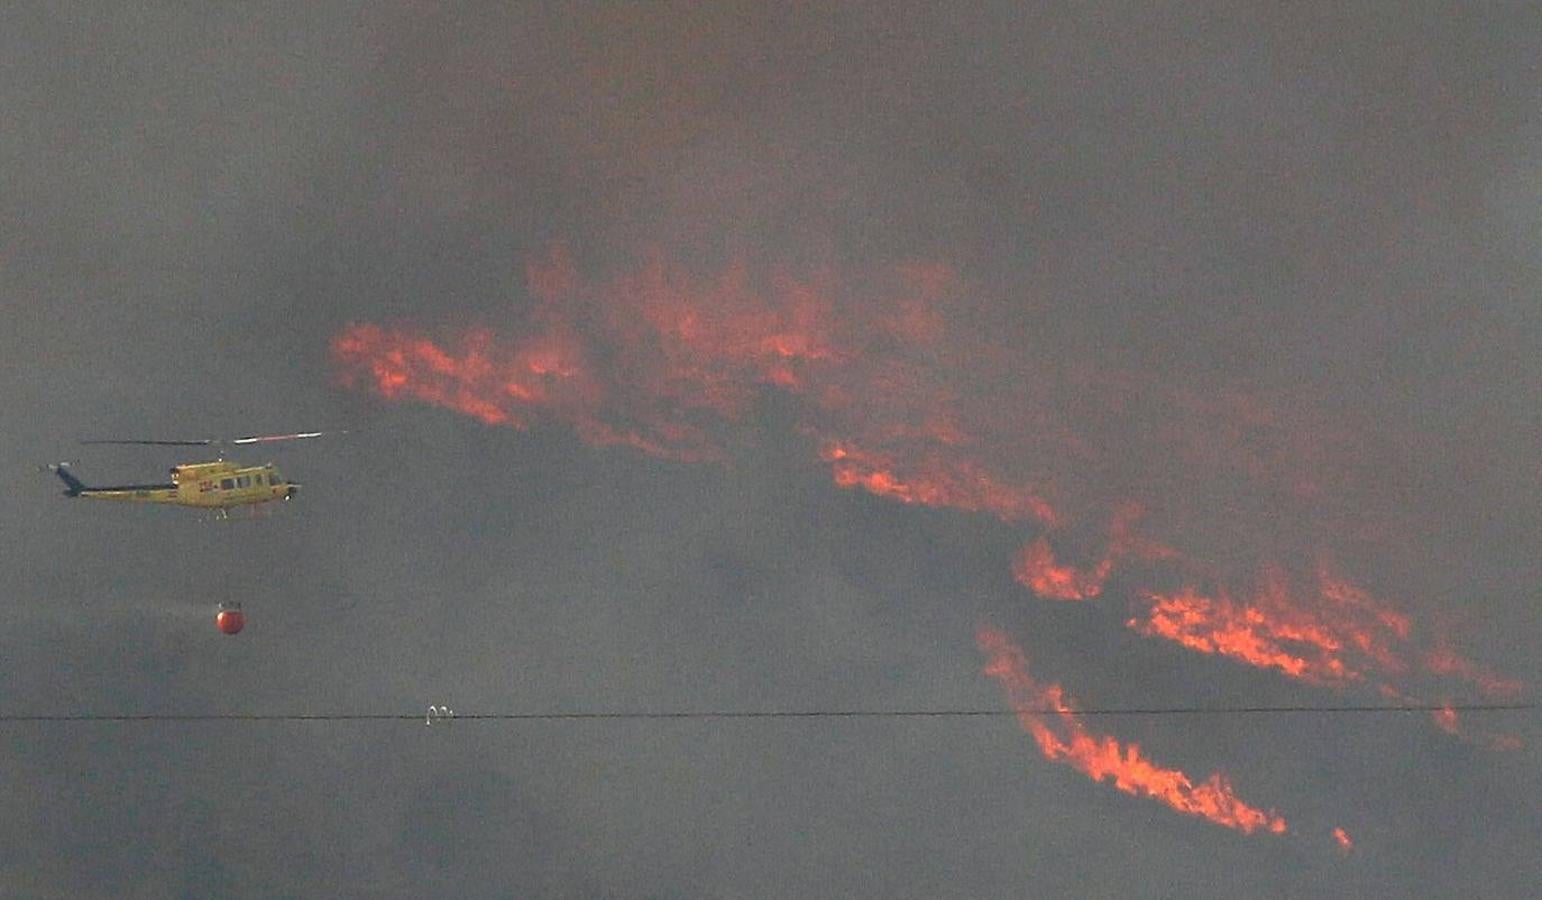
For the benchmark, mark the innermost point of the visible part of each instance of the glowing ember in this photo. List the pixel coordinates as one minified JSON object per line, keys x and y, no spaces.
{"x":1062,"y":737}
{"x":1447,"y":720}
{"x":1346,"y":844}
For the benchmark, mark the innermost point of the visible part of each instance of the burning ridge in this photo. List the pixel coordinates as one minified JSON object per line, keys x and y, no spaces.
{"x":1062,"y":737}
{"x":907,"y":391}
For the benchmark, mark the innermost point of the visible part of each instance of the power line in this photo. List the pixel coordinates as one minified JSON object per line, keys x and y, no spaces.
{"x":21,"y":718}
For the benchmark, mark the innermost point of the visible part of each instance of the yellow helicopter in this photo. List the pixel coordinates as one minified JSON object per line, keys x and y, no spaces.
{"x":220,"y":485}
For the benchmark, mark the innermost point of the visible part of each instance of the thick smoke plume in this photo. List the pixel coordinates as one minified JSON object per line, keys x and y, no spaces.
{"x":904,"y":387}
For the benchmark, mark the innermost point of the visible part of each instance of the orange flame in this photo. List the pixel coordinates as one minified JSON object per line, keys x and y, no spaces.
{"x":668,"y":363}
{"x":1335,"y":634}
{"x":1035,"y":568}
{"x":957,"y":485}
{"x":1330,"y":636}
{"x":1346,"y":843}
{"x":909,"y":404}
{"x":1062,"y":737}
{"x":1254,"y":635}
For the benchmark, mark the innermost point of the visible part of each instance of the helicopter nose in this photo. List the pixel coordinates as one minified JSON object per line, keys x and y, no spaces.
{"x":293,"y":489}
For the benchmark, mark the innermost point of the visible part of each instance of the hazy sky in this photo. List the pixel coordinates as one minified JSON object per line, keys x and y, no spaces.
{"x":1271,"y":277}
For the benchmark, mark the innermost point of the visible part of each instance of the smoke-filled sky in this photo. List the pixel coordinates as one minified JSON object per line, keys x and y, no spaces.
{"x":727,"y":357}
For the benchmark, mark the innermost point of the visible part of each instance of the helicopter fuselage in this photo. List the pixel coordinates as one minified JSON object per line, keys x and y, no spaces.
{"x":209,"y":485}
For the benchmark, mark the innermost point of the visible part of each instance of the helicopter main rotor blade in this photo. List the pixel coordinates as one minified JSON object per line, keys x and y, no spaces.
{"x":203,"y":443}
{"x":273,"y":438}
{"x":209,"y":442}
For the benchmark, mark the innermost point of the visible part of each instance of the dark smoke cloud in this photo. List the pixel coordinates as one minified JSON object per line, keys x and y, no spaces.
{"x":1332,"y":213}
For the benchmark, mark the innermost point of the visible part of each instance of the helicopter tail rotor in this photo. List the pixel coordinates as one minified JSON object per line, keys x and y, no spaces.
{"x":73,"y":485}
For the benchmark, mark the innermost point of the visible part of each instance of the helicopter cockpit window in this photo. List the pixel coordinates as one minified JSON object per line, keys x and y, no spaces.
{"x":275,"y":478}
{"x":258,"y":476}
{"x":227,"y":484}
